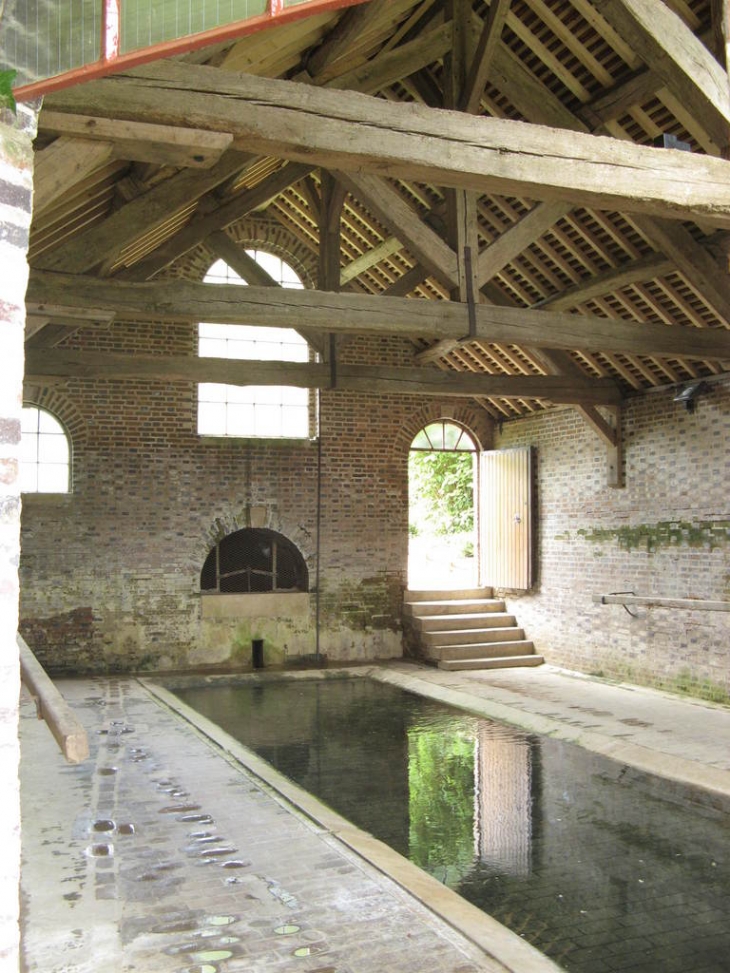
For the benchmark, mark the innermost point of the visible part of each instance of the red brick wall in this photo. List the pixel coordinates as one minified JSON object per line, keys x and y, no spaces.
{"x":665,"y":533}
{"x":110,"y":574}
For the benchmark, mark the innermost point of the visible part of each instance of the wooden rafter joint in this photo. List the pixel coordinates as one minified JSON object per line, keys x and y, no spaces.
{"x":162,"y":145}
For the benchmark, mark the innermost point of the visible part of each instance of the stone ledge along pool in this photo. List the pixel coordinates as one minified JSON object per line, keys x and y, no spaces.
{"x":600,"y":867}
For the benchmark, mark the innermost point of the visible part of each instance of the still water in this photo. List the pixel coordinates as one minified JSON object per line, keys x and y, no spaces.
{"x":598,"y":866}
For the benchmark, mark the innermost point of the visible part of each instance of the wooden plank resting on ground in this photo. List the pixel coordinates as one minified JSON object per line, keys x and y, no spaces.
{"x":52,"y":707}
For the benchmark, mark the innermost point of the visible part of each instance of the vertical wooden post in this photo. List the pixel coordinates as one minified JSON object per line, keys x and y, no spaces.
{"x":332,"y":197}
{"x":461,"y":205}
{"x":720,"y":11}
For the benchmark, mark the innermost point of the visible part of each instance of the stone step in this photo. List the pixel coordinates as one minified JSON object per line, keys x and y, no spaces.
{"x":447,"y":594}
{"x":501,"y":662}
{"x":467,"y":636}
{"x":486,"y":650}
{"x":446,"y":623}
{"x":461,"y":607}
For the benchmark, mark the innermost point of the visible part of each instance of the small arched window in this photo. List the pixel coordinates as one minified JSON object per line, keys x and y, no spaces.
{"x":444,"y":436}
{"x":45,"y":454}
{"x":254,"y":560}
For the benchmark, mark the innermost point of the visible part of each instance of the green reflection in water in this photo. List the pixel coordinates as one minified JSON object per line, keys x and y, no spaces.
{"x":441,"y":801}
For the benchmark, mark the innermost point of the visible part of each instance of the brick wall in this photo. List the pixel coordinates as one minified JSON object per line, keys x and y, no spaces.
{"x":16,"y":168}
{"x":111,"y":573}
{"x":665,"y":533}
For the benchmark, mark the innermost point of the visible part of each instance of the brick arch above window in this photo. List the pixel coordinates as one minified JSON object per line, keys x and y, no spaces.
{"x":254,"y":560}
{"x":50,"y":399}
{"x":253,"y":234}
{"x":473,"y":419}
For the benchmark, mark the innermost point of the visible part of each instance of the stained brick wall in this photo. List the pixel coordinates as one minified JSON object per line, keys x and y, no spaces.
{"x":16,"y":161}
{"x":110,"y":574}
{"x":665,"y":533}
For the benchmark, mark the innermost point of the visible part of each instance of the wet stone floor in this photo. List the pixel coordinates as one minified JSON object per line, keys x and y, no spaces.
{"x":159,"y":855}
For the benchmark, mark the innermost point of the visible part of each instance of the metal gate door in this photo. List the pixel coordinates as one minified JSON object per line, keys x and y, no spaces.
{"x":505,"y":518}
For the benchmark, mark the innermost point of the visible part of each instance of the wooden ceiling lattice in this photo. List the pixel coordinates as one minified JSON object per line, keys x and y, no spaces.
{"x":560,"y":63}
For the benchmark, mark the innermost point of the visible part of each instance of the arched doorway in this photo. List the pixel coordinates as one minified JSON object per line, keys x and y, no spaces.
{"x":442,"y":541}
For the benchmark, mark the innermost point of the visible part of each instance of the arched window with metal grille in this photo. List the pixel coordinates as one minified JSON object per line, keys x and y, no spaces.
{"x":254,"y":560}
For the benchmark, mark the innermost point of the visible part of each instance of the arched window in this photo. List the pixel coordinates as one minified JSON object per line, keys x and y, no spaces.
{"x":444,"y":436}
{"x":254,"y":560}
{"x":253,"y":410}
{"x":45,"y":454}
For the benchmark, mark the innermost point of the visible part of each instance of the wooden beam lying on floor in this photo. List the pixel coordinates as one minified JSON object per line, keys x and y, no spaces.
{"x":352,"y":131}
{"x":57,"y":364}
{"x":366,"y":314}
{"x":67,"y":730}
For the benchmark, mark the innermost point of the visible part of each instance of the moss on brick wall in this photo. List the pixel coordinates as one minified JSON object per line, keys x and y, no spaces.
{"x":665,"y":534}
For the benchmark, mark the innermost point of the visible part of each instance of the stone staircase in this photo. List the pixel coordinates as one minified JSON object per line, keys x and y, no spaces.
{"x":464,"y":629}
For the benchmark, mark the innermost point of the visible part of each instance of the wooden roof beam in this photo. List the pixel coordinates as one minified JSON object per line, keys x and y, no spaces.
{"x":367,"y":314}
{"x":162,"y":145}
{"x":359,"y":378}
{"x":349,"y":131}
{"x":676,"y":55}
{"x":393,"y":212}
{"x":63,"y":164}
{"x":222,"y":215}
{"x":481,"y":64}
{"x":254,"y":274}
{"x":348,"y":33}
{"x":101,"y":243}
{"x":637,"y":271}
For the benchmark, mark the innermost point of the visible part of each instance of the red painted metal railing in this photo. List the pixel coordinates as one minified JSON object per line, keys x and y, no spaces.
{"x":113,"y":58}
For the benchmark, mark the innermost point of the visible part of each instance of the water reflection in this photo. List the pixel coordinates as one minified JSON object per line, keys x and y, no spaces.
{"x":470,"y":798}
{"x":504,"y":800}
{"x":600,"y":867}
{"x":441,"y":775}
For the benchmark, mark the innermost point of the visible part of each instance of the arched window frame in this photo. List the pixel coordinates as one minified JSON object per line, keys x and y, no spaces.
{"x":254,"y":561}
{"x":444,"y":436}
{"x":258,"y":412}
{"x":45,"y":452}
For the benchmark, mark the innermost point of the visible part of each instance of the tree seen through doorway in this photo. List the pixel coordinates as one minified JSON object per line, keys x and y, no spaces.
{"x":441,"y":508}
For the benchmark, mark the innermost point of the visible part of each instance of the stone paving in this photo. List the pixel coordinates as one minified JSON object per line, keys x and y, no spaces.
{"x":160,"y":855}
{"x":679,"y":738}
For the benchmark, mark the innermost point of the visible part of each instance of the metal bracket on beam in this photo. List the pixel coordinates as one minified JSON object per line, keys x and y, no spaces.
{"x":470,"y":297}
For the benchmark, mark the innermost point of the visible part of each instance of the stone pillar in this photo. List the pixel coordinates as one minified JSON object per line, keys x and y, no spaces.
{"x":16,"y":193}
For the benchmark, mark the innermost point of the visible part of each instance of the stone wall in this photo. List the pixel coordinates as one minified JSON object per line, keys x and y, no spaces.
{"x":665,"y":533}
{"x":16,"y":173}
{"x":111,"y":572}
